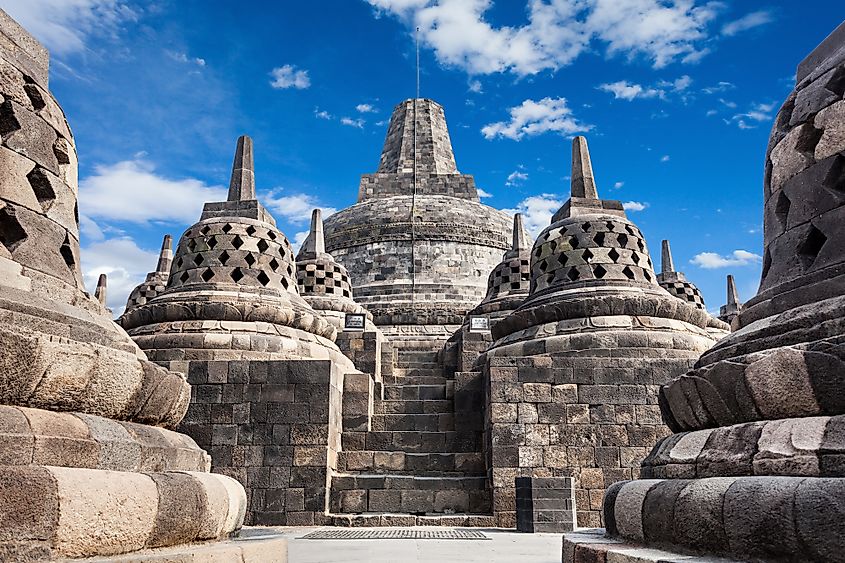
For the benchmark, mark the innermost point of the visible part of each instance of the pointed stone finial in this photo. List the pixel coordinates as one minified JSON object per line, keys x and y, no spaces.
{"x":733,"y":296}
{"x":165,"y":257}
{"x":315,"y":243}
{"x":242,"y":185}
{"x":667,"y":265}
{"x":519,"y":242}
{"x":100,"y":292}
{"x":583,"y":182}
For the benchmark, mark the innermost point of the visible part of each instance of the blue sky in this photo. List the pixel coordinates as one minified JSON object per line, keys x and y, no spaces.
{"x":676,"y":99}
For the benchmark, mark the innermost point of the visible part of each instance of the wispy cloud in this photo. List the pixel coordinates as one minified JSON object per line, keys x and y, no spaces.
{"x":365,"y":108}
{"x":358,"y":123}
{"x":123,"y":261}
{"x":625,"y":90}
{"x":537,"y":211}
{"x":322,"y":114}
{"x":713,"y":260}
{"x":549,"y":115}
{"x":665,"y":158}
{"x":182,"y":57}
{"x":757,"y":114}
{"x":516,"y":177}
{"x":618,"y":185}
{"x":295,"y":208}
{"x":288,"y":76}
{"x":483,"y":193}
{"x":748,"y":21}
{"x":634,"y":205}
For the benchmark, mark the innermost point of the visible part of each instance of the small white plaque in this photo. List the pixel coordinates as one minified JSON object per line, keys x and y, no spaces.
{"x":479,"y":324}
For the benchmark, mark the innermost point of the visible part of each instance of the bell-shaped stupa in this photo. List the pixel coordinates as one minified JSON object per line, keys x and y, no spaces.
{"x":418,"y":244}
{"x":156,"y":281}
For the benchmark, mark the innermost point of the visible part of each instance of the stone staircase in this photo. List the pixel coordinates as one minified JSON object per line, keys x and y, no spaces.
{"x":420,"y":463}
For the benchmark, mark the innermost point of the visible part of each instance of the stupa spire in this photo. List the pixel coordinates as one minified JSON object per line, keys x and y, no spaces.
{"x":242,"y":184}
{"x":100,"y":292}
{"x":733,"y":295}
{"x":583,"y":181}
{"x":165,"y":257}
{"x":315,"y":243}
{"x":667,"y":265}
{"x":519,"y":241}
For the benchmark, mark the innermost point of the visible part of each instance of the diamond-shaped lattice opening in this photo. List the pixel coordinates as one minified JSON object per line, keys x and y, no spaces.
{"x":263,"y":246}
{"x":211,"y":242}
{"x":544,"y":265}
{"x":184,"y":277}
{"x":809,"y":250}
{"x":198,"y":260}
{"x":629,"y":273}
{"x":226,"y":228}
{"x":587,"y":255}
{"x":12,"y":232}
{"x":635,"y":258}
{"x":67,"y":253}
{"x":285,"y":283}
{"x":250,"y":260}
{"x":271,"y":235}
{"x":237,"y":242}
{"x":610,"y":226}
{"x":179,"y":263}
{"x":207,"y":274}
{"x":42,"y":187}
{"x":631,"y":230}
{"x":641,"y":245}
{"x":192,"y":244}
{"x":553,"y":245}
{"x":290,"y":270}
{"x":274,"y":264}
{"x":614,"y":255}
{"x":224,"y":257}
{"x":237,"y":275}
{"x":573,"y":242}
{"x":646,"y":275}
{"x":263,"y":278}
{"x":573,"y":274}
{"x":599,"y":238}
{"x":205,"y":229}
{"x":599,"y":271}
{"x":250,"y":230}
{"x":586,"y":227}
{"x":782,"y":205}
{"x":623,"y":240}
{"x":562,"y":259}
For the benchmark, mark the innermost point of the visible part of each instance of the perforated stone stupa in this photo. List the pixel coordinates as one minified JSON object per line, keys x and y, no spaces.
{"x":754,"y":470}
{"x":574,"y":371}
{"x":89,"y":463}
{"x":418,"y":244}
{"x":156,"y":281}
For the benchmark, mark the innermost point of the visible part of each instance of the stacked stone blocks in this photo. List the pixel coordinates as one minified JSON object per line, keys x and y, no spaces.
{"x":545,"y":504}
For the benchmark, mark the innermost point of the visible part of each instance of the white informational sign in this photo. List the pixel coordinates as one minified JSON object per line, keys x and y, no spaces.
{"x":354,"y":322}
{"x":479,"y":324}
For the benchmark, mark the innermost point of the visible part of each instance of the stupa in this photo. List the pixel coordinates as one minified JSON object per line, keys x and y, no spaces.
{"x":156,"y":281}
{"x":418,"y":244}
{"x":753,"y":471}
{"x":574,"y":370}
{"x":89,"y":463}
{"x":730,"y":310}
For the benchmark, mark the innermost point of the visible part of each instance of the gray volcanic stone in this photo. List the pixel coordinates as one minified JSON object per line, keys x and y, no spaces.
{"x":759,"y":517}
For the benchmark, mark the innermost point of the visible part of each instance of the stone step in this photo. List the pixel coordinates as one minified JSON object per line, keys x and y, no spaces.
{"x":414,"y":407}
{"x":418,"y":371}
{"x":370,"y":520}
{"x":395,"y":379}
{"x":431,"y":422}
{"x":409,"y":494}
{"x":416,"y":355}
{"x":402,"y":463}
{"x":462,"y":441}
{"x":417,"y":392}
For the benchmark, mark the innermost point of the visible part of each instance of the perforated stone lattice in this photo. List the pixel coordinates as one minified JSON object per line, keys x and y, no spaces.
{"x":509,"y":277}
{"x":323,"y":277}
{"x":686,"y":292}
{"x":394,"y":534}
{"x":590,"y":250}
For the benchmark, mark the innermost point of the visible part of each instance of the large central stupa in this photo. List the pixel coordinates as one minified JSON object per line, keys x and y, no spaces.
{"x":418,"y":244}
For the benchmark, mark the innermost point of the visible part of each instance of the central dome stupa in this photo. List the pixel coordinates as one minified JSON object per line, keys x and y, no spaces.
{"x":418,"y":244}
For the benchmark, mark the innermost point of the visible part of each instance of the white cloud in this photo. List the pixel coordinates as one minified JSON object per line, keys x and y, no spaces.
{"x":557,"y":32}
{"x":64,"y":26}
{"x":322,"y":114}
{"x":727,"y":103}
{"x":664,"y":158}
{"x":746,"y":22}
{"x":712,"y":260}
{"x":295,"y":208}
{"x":634,"y":206}
{"x":516,"y":177}
{"x":288,"y":76}
{"x":536,"y":117}
{"x":125,"y":264}
{"x":365,"y":108}
{"x":182,"y":57}
{"x":483,"y":193}
{"x":131,"y":191}
{"x":474,"y":86}
{"x":711,"y":112}
{"x":359,"y":123}
{"x":298,"y":240}
{"x":720,"y":87}
{"x":624,"y":90}
{"x":682,"y":83}
{"x":537,"y":211}
{"x":618,"y":185}
{"x":757,"y":114}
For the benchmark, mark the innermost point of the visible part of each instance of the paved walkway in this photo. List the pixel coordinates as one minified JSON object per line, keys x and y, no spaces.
{"x":503,"y":546}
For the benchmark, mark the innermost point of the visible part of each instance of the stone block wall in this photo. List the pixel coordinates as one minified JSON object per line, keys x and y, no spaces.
{"x":590,"y":418}
{"x":545,"y":504}
{"x":272,"y":425}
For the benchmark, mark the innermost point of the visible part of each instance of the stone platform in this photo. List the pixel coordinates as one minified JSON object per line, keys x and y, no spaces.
{"x":592,"y":546}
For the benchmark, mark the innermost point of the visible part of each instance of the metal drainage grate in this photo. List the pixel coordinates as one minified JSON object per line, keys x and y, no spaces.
{"x":396,"y":534}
